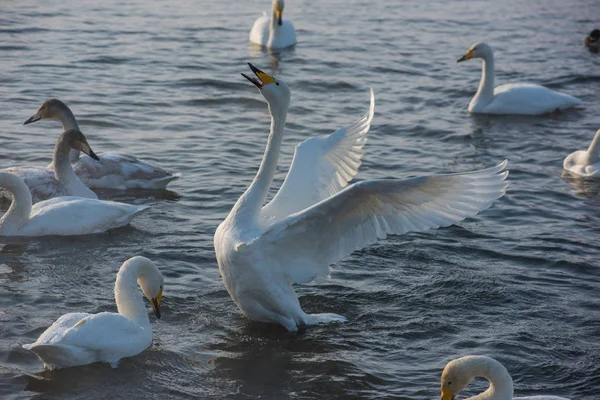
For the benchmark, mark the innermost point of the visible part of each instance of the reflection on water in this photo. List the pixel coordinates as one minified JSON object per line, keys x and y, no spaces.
{"x":584,"y":187}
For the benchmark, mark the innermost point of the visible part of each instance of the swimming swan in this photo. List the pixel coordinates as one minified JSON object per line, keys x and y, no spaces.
{"x":461,"y":372}
{"x":45,"y":183}
{"x":82,"y":338}
{"x":592,"y":41}
{"x":62,"y":216}
{"x":114,"y":170}
{"x":274,"y":32}
{"x":313,"y":222}
{"x":512,"y":98}
{"x":585,"y":162}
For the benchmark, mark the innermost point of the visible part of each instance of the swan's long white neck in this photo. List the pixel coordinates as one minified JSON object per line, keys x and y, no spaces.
{"x":485,"y":92}
{"x":501,"y":384}
{"x":63,"y":171}
{"x":593,"y":152}
{"x":20,"y":208}
{"x":250,"y":203}
{"x":68,"y":121}
{"x":127,"y":295}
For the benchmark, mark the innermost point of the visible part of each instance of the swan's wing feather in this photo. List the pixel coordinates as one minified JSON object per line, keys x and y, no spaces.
{"x":308,"y":242}
{"x":57,"y":330}
{"x":520,"y":98}
{"x":259,"y":34}
{"x":41,"y":182}
{"x":322,"y":166}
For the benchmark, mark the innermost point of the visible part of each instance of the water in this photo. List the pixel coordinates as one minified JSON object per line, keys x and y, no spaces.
{"x":520,"y":282}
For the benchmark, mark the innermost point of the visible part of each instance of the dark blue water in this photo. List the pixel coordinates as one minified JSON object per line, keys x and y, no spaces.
{"x":160,"y":80}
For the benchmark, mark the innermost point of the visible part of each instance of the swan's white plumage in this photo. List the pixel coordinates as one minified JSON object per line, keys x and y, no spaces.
{"x":321,"y":167}
{"x":585,"y":163}
{"x":262,"y":252}
{"x":515,"y":98}
{"x":460,"y":372}
{"x":80,"y":338}
{"x":268,"y":33}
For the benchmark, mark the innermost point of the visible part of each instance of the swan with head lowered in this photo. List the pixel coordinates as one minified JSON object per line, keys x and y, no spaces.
{"x":274,"y":32}
{"x":82,"y":338}
{"x":512,"y":98}
{"x":45,"y":183}
{"x":314,"y":220}
{"x":585,"y":162}
{"x":63,"y":216}
{"x":460,"y":373}
{"x":111,"y":170}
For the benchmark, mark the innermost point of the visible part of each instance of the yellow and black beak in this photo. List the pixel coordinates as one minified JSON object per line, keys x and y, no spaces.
{"x":447,"y":394}
{"x":468,"y":55}
{"x":279,"y":15}
{"x":85,"y":147}
{"x":263,"y":79}
{"x":156,"y":303}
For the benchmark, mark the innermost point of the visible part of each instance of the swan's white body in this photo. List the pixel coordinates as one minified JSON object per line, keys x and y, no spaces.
{"x":585,"y":162}
{"x":267,"y":31}
{"x":112,"y":170}
{"x":61,"y":180}
{"x":81,"y":338}
{"x":514,"y":98}
{"x":460,"y":372}
{"x":62,"y":216}
{"x":315,"y":220}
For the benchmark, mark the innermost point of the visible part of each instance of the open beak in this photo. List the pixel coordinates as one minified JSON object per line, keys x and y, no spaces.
{"x":156,"y":304}
{"x":468,"y":55}
{"x":263,"y":79}
{"x":278,"y":14}
{"x":88,"y":150}
{"x":33,"y":118}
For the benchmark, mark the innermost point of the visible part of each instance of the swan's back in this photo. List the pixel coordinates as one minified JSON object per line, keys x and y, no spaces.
{"x":573,"y":163}
{"x":41,"y":183}
{"x":260,"y":30}
{"x":528,"y":99}
{"x":77,"y":216}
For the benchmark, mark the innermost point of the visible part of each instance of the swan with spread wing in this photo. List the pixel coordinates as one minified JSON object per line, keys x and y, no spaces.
{"x":316,"y":220}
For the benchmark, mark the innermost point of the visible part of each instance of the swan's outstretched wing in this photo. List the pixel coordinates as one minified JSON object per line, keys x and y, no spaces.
{"x":322,"y":166}
{"x":306,"y":243}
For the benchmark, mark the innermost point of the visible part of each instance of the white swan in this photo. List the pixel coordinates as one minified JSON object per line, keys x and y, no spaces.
{"x":274,"y":32}
{"x":314,"y":222}
{"x":45,"y":183}
{"x":82,"y":338}
{"x":62,"y":216}
{"x":114,"y":170}
{"x":585,"y":162}
{"x":513,"y":98}
{"x":461,"y":372}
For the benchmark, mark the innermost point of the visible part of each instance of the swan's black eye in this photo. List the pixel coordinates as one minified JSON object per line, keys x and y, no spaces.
{"x":277,"y":83}
{"x":449,"y":383}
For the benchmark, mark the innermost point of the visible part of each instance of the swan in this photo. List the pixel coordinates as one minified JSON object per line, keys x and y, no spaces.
{"x":592,"y":41}
{"x":513,"y":98}
{"x":82,"y":338}
{"x":62,"y":216}
{"x":461,"y":372}
{"x":315,"y":220}
{"x":585,"y":162}
{"x":45,"y":183}
{"x":274,"y":32}
{"x":114,"y":170}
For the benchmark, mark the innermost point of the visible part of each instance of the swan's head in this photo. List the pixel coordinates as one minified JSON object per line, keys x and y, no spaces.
{"x":275,"y":91}
{"x":478,"y":50}
{"x":51,"y":109}
{"x":592,"y":41}
{"x":76,"y":140}
{"x":455,"y":377}
{"x":151,"y":281}
{"x":278,"y":10}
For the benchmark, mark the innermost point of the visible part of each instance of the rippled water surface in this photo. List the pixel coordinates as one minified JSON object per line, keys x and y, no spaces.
{"x":160,"y":79}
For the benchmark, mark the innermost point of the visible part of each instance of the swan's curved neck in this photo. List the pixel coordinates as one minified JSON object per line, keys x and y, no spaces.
{"x":127,"y":295}
{"x":63,"y":171}
{"x":501,"y":384}
{"x":250,"y":203}
{"x":593,"y":152}
{"x":485,"y":92}
{"x":68,"y":121}
{"x":20,"y":208}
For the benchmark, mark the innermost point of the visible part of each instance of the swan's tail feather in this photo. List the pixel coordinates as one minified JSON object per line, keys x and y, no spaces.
{"x":59,"y":356}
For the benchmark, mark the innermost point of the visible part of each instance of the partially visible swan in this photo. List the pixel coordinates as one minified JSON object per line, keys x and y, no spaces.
{"x":315,"y":220}
{"x":62,"y":216}
{"x":81,"y":338}
{"x":592,"y":41}
{"x":274,"y":32}
{"x":115,"y":170}
{"x":512,"y":98}
{"x":461,"y":372}
{"x":585,"y":162}
{"x":45,"y":183}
